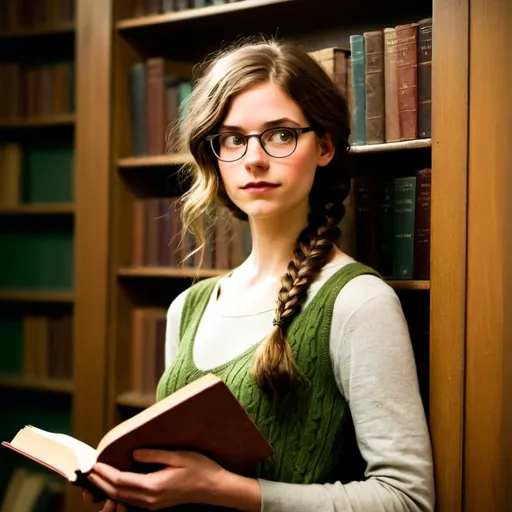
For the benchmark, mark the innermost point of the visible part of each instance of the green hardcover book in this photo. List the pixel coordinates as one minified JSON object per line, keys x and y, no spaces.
{"x":358,"y":116}
{"x":11,"y":341}
{"x":404,"y":214}
{"x":47,"y":173}
{"x":33,"y":260}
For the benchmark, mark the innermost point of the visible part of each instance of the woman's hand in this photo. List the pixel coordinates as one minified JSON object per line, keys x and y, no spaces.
{"x":188,"y":478}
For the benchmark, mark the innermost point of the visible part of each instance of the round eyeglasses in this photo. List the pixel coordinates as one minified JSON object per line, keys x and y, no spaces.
{"x":276,"y":142}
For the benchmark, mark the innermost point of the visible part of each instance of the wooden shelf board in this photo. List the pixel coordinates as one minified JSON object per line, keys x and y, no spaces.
{"x":19,"y":382}
{"x":38,"y":209}
{"x":32,"y":122}
{"x":200,"y":12}
{"x":169,"y":272}
{"x":63,"y":28}
{"x":35,"y":296}
{"x":135,"y":400}
{"x":154,"y":161}
{"x":405,"y":284}
{"x":392,"y":146}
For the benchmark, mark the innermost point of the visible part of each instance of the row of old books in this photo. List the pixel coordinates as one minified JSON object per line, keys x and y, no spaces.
{"x":392,"y":219}
{"x":31,"y":90}
{"x":157,"y":240}
{"x":158,"y":90}
{"x":391,"y":82}
{"x":19,"y":15}
{"x":147,"y":7}
{"x":33,"y":491}
{"x":148,"y":349}
{"x":48,"y":347}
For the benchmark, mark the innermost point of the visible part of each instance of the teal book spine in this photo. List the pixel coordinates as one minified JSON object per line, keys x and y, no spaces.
{"x":404,"y":220}
{"x":358,"y":116}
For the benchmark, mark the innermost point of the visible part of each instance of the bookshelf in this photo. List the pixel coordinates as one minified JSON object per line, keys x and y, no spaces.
{"x":110,"y":178}
{"x":37,"y":121}
{"x":36,"y":296}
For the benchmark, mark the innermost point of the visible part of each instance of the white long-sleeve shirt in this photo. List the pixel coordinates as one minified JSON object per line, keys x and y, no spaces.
{"x":374,"y":368}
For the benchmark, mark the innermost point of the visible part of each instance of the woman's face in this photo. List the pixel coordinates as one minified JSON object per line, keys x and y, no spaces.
{"x":260,"y":185}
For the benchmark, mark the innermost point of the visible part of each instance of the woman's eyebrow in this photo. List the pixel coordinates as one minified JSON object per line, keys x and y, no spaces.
{"x":268,"y":124}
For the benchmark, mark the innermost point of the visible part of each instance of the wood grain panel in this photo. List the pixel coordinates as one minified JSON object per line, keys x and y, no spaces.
{"x":448,"y":246}
{"x":488,"y":475}
{"x":94,"y":22}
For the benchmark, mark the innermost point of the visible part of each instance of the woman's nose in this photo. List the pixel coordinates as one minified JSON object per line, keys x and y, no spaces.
{"x":255,"y":155}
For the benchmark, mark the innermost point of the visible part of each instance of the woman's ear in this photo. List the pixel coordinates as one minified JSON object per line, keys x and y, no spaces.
{"x":327,"y":150}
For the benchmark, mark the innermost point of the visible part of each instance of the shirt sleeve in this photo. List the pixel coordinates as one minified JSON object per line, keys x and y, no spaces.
{"x":375,"y":369}
{"x":172,"y":328}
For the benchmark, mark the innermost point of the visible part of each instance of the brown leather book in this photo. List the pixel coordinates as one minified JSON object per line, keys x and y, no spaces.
{"x":391,"y":86}
{"x":374,"y":86}
{"x":422,"y":225}
{"x":407,"y":51}
{"x":204,"y":416}
{"x":424,"y":77}
{"x":155,"y":107}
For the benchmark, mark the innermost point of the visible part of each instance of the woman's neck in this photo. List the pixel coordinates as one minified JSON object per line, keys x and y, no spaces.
{"x":273,"y":243}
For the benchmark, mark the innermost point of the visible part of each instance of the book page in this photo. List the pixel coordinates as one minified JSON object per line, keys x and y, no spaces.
{"x":59,"y":450}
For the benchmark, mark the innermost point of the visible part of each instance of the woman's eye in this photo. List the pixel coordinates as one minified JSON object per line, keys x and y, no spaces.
{"x":231,"y":140}
{"x":281,"y":136}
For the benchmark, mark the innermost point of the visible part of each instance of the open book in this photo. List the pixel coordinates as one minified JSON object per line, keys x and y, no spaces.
{"x":203,"y":416}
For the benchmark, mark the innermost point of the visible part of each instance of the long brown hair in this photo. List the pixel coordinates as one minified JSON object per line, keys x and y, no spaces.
{"x":224,"y":75}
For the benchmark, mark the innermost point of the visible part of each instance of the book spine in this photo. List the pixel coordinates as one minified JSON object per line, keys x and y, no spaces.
{"x":374,"y":86}
{"x":385,"y":203}
{"x":391,"y":86}
{"x":422,"y":225}
{"x":365,"y":196}
{"x":138,"y":108}
{"x":407,"y":48}
{"x":358,"y":134}
{"x":424,"y":77}
{"x":404,"y":216}
{"x":155,"y":105}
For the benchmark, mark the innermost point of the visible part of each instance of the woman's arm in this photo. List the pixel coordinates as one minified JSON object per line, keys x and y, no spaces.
{"x":374,"y":365}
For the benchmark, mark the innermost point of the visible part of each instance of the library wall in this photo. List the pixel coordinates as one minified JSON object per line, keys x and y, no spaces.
{"x":37,"y":193}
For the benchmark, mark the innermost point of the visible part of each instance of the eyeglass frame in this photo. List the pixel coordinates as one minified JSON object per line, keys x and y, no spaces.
{"x":297,"y":131}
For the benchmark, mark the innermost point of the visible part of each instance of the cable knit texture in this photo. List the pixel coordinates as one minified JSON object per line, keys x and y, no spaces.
{"x":311,"y":431}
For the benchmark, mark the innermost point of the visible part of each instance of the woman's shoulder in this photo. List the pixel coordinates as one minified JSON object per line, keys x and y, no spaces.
{"x":363,"y":290}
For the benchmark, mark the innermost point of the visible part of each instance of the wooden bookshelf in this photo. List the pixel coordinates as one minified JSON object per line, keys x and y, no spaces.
{"x":392,"y":146}
{"x":202,"y":13}
{"x":64,"y":28}
{"x":154,"y":161}
{"x":201,"y":273}
{"x":135,"y":400}
{"x":38,"y":122}
{"x":36,"y":296}
{"x":39,"y":209}
{"x":169,"y":272}
{"x":46,"y":385}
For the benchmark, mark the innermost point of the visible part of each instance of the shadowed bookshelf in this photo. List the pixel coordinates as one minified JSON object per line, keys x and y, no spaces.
{"x":37,"y":210}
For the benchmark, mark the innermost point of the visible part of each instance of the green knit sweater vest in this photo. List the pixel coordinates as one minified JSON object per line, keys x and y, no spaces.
{"x":311,"y":431}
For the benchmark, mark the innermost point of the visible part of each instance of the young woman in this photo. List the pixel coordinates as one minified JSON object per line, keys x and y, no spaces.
{"x":313,"y":343}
